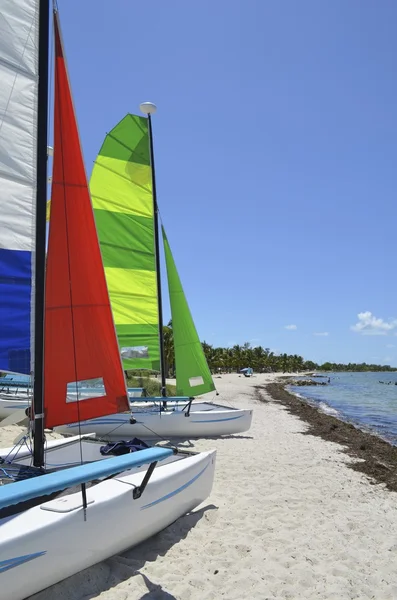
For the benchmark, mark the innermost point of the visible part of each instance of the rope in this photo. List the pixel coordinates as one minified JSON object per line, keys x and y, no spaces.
{"x":69,"y":267}
{"x":226,"y":400}
{"x":28,"y":38}
{"x":146,"y":427}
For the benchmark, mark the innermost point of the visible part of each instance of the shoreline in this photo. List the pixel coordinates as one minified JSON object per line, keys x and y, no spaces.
{"x":374,"y":456}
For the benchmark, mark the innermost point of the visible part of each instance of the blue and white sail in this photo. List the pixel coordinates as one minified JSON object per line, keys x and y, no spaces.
{"x":19,"y":24}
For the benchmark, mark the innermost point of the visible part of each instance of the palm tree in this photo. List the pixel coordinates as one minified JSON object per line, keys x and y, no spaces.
{"x":169,"y":353}
{"x":238,"y":357}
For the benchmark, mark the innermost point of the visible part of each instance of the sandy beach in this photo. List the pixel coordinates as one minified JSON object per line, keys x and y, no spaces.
{"x":287,"y":518}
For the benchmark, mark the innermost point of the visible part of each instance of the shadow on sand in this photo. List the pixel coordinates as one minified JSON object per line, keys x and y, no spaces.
{"x":189,"y":442}
{"x":95,"y":580}
{"x":155,"y":591}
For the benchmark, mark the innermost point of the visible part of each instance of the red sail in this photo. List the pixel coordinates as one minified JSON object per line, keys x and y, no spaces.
{"x":80,"y":338}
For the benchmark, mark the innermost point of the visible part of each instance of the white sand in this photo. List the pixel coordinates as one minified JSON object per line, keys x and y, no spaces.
{"x":287,"y":519}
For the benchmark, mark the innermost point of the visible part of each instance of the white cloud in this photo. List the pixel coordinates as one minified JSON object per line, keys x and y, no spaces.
{"x":368,"y":324}
{"x":291,"y":327}
{"x":321,"y":333}
{"x":390,"y":346}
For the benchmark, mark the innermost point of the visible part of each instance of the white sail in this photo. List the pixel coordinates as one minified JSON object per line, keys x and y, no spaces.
{"x":19,"y":25}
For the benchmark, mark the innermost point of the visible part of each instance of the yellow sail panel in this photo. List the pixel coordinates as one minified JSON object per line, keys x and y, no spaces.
{"x":122,"y":197}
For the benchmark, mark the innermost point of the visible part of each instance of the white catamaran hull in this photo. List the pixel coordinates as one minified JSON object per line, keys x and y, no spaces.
{"x":9,"y":403}
{"x":21,"y":399}
{"x":204,"y":420}
{"x":51,"y":541}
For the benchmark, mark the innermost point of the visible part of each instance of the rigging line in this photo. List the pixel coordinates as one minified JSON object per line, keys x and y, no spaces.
{"x":25,"y":441}
{"x":16,"y":74}
{"x":20,"y":443}
{"x":104,"y":438}
{"x":51,"y":68}
{"x":12,"y":450}
{"x":68,"y":247}
{"x":159,"y":436}
{"x":146,"y":427}
{"x":114,"y":429}
{"x":222,"y":398}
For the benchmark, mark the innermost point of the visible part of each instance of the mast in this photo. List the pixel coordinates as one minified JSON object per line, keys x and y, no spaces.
{"x":148,"y":109}
{"x":41,"y":207}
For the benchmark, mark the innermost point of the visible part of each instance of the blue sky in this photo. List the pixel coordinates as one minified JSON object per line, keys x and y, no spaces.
{"x":276,"y":147}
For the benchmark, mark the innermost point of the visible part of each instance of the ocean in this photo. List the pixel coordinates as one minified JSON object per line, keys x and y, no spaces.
{"x":358,"y":398}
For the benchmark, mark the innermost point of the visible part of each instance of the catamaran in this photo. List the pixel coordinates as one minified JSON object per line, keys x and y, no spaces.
{"x":64,"y":504}
{"x":123,"y":191}
{"x":16,"y":394}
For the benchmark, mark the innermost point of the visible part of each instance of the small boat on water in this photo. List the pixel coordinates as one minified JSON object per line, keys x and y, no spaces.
{"x":64,"y":504}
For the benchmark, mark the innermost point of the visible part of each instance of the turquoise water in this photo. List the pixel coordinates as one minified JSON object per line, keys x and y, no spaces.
{"x":359,"y":398}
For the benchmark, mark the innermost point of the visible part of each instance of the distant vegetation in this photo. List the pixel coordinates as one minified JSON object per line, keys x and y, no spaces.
{"x":147,"y":380}
{"x":262,"y":360}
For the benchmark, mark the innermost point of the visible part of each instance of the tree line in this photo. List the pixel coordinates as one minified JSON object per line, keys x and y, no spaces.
{"x":262,"y":360}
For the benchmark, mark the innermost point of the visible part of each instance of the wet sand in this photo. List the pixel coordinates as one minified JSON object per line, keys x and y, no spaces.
{"x":375,"y":457}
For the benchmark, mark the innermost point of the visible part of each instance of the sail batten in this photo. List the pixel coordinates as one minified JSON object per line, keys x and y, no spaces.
{"x":193,"y":376}
{"x":80,"y":339}
{"x":122,"y":196}
{"x":18,"y":141}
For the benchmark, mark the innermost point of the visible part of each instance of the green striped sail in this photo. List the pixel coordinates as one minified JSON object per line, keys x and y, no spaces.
{"x":193,"y":376}
{"x":122,"y":198}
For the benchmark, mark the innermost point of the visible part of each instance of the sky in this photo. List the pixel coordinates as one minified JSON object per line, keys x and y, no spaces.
{"x":275,"y":147}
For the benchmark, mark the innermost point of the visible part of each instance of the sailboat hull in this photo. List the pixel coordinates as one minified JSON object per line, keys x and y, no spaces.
{"x":9,"y":403}
{"x":20,"y":398}
{"x":51,"y":541}
{"x":204,"y":420}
